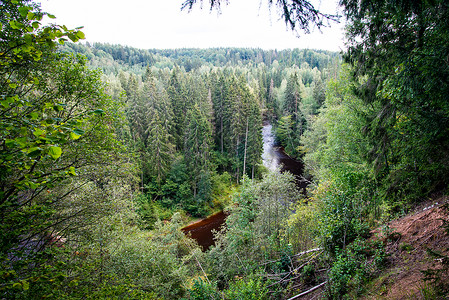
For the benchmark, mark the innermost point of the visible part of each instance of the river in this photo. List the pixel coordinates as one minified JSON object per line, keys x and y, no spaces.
{"x":273,"y":158}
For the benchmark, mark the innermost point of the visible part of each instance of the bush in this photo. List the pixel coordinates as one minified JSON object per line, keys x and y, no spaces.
{"x":341,"y":217}
{"x":353,"y":267}
{"x":249,"y":288}
{"x":202,"y":290}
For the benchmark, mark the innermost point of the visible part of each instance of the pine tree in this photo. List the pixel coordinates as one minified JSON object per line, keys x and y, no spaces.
{"x":219,"y":100}
{"x":176,"y":95}
{"x":159,"y":148}
{"x":292,"y":97}
{"x":255,"y":143}
{"x":197,"y":145}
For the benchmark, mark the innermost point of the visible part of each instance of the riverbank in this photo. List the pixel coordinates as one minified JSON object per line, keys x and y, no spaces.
{"x":274,"y":158}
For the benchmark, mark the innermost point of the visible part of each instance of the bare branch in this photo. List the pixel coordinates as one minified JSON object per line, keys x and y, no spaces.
{"x":308,"y":291}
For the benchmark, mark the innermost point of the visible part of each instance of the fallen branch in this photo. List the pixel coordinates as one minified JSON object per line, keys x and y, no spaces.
{"x":308,"y":291}
{"x":286,"y":275}
{"x":306,"y":263}
{"x":308,"y":251}
{"x":298,"y":254}
{"x":205,"y":275}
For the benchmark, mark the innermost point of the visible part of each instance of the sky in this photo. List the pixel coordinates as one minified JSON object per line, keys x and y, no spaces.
{"x":160,"y":24}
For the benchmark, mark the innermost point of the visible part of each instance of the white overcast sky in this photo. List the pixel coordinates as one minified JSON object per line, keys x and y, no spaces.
{"x":161,"y":24}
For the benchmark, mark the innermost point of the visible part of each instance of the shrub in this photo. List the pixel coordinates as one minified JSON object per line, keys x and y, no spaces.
{"x":353,"y":267}
{"x":202,"y":290}
{"x":249,"y":288}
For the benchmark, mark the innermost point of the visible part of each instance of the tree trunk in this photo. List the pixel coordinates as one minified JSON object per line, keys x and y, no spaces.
{"x":246,"y":144}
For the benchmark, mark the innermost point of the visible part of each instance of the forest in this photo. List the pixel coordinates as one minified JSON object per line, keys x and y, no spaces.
{"x":108,"y":151}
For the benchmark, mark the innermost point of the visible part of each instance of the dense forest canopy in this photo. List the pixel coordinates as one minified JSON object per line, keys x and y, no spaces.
{"x":204,"y":113}
{"x":108,"y":150}
{"x":196,"y":58}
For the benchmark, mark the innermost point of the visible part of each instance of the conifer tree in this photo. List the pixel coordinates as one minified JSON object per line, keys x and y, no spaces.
{"x":220,"y":99}
{"x":176,"y":94}
{"x":254,"y":136}
{"x":292,"y":97}
{"x":197,"y":146}
{"x":159,"y":148}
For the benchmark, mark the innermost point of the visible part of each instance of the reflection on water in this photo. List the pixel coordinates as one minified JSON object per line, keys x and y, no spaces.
{"x":274,"y":157}
{"x":269,"y":156}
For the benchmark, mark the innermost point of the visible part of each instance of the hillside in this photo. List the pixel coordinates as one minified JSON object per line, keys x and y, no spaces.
{"x":407,"y":242}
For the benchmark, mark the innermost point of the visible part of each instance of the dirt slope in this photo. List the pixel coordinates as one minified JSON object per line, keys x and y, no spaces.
{"x":407,"y":242}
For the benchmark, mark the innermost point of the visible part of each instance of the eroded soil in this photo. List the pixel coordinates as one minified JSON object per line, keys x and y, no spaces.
{"x":407,"y":240}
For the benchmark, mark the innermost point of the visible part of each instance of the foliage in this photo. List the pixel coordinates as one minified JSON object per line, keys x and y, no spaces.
{"x":399,"y":49}
{"x":256,"y":229}
{"x":249,"y":288}
{"x":301,"y":226}
{"x":285,"y":134}
{"x":63,"y":171}
{"x":335,"y":137}
{"x":163,"y":86}
{"x":202,"y":290}
{"x":341,"y":218}
{"x":353,"y":267}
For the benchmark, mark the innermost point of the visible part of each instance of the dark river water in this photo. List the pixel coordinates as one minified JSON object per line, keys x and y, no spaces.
{"x":273,"y":158}
{"x":202,"y":231}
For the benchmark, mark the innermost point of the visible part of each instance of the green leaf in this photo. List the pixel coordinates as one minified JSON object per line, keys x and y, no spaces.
{"x":72,"y":37}
{"x":98,"y":111}
{"x":34,"y":151}
{"x":73,"y":283}
{"x":78,"y":131}
{"x":34,"y":115}
{"x":55,"y":152}
{"x":33,"y":186}
{"x":80,"y":35}
{"x":10,"y":143}
{"x":38,"y":132}
{"x":71,"y":171}
{"x":30,"y":16}
{"x":22,"y":141}
{"x":74,"y":136}
{"x":24,"y":10}
{"x":17,"y":285}
{"x":5,"y":103}
{"x":25,"y":285}
{"x":58,"y":107}
{"x":51,"y":16}
{"x":14,"y":24}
